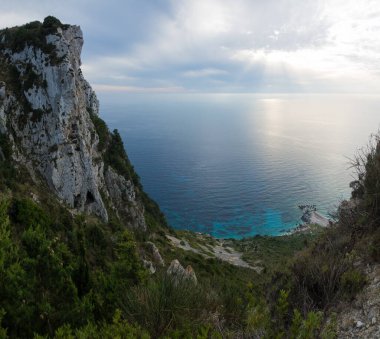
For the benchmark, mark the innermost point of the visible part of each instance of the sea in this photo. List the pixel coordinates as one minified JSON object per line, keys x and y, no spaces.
{"x":239,"y":165}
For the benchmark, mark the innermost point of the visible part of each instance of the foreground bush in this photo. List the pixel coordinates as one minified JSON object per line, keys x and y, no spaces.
{"x":166,"y":303}
{"x":325,"y":273}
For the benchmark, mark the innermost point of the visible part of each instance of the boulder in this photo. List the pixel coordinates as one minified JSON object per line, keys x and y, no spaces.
{"x":190,"y":274}
{"x":157,"y":258}
{"x":177,"y":271}
{"x":149,"y":266}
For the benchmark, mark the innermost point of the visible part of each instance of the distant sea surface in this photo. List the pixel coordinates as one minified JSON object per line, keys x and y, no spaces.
{"x":237,"y":165}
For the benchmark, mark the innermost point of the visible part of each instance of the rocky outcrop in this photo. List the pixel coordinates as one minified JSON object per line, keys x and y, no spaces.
{"x":179,"y":274}
{"x":361,"y":318}
{"x":2,"y":90}
{"x":50,"y":123}
{"x":149,"y":266}
{"x":155,"y":253}
{"x":122,"y":194}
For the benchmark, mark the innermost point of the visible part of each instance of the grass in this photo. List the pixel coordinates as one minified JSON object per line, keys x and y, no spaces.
{"x":273,"y":251}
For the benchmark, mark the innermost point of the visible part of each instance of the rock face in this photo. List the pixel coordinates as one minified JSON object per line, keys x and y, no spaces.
{"x":149,"y":266}
{"x":361,"y":319}
{"x":2,"y":90}
{"x":155,"y":254}
{"x":177,"y":271}
{"x":50,"y":122}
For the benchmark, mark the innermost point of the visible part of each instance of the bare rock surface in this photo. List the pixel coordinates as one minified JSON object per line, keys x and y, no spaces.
{"x":179,"y":273}
{"x":361,"y":318}
{"x":155,"y":254}
{"x":53,"y":132}
{"x":215,"y":250}
{"x":149,"y":266}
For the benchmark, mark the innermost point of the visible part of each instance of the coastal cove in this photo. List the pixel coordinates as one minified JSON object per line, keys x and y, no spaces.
{"x":239,"y":165}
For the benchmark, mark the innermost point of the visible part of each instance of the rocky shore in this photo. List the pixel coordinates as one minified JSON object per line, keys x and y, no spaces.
{"x":310,"y":217}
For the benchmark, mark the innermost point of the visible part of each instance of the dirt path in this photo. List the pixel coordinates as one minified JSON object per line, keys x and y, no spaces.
{"x":216,"y":250}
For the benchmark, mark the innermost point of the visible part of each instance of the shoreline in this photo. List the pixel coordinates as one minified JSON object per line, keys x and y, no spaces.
{"x":310,"y":218}
{"x":319,"y":219}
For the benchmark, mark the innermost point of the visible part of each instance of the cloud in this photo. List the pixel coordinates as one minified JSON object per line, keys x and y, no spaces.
{"x":205,"y":72}
{"x":10,"y":19}
{"x":222,"y":45}
{"x":133,"y":89}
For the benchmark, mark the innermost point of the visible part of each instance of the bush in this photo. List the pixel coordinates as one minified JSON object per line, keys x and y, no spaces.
{"x":307,"y":328}
{"x":164,"y":304}
{"x":32,"y":34}
{"x":117,"y":158}
{"x":367,"y":185}
{"x":118,"y":328}
{"x":352,"y":282}
{"x":374,"y":246}
{"x":27,"y":213}
{"x":102,"y":131}
{"x":317,"y":271}
{"x":51,"y":22}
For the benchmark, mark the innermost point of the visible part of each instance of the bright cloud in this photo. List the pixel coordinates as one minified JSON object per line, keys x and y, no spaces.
{"x":221,"y":45}
{"x":205,"y":72}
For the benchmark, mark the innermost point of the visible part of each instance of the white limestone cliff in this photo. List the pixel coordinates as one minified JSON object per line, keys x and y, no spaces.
{"x":53,"y":133}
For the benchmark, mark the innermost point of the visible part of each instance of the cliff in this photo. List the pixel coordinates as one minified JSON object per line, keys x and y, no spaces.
{"x":50,"y":114}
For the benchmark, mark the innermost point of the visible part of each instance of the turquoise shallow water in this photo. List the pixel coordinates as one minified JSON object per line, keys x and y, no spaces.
{"x":238,"y":165}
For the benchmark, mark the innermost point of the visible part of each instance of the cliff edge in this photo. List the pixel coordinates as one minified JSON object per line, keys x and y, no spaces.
{"x":50,"y":114}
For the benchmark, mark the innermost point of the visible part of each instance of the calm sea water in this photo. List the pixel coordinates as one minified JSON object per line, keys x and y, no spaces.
{"x":239,"y":165}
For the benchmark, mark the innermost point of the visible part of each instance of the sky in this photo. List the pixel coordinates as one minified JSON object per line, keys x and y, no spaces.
{"x":243,"y":46}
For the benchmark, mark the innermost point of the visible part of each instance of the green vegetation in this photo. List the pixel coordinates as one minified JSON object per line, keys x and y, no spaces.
{"x":117,"y":158}
{"x":274,"y":252}
{"x":32,"y":34}
{"x":69,"y":276}
{"x":56,"y":270}
{"x":101,"y":130}
{"x":367,"y":186}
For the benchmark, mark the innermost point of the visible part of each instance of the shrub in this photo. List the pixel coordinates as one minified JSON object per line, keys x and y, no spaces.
{"x":51,"y":22}
{"x":282,"y":308}
{"x":102,"y":131}
{"x":117,"y":158}
{"x":374,"y":247}
{"x":27,"y":213}
{"x":352,"y":282}
{"x":5,"y":146}
{"x":317,"y":271}
{"x":3,"y":331}
{"x":367,"y":185}
{"x":164,"y":304}
{"x":118,"y":328}
{"x":32,"y":34}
